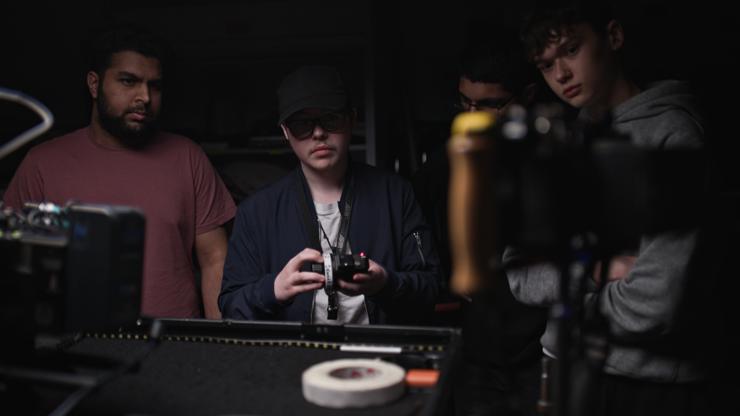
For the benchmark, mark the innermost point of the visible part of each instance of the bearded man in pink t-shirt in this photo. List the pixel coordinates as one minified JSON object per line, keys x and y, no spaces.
{"x":121,"y":158}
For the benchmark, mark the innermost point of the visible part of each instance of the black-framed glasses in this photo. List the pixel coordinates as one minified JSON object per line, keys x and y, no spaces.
{"x":302,"y":127}
{"x":465,"y":104}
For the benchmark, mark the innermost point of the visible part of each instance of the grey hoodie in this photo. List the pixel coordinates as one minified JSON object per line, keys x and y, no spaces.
{"x":662,"y":116}
{"x":644,"y":305}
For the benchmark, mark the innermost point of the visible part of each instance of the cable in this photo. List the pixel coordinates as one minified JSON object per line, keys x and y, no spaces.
{"x":47,"y":120}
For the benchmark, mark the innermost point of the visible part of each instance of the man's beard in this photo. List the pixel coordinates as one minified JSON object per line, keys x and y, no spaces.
{"x":129,"y":134}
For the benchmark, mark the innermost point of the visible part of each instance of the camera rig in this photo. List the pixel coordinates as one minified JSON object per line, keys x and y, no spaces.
{"x":337,"y":266}
{"x":67,"y":269}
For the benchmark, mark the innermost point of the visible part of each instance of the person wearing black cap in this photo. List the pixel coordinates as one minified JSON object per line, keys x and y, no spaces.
{"x":328,"y":205}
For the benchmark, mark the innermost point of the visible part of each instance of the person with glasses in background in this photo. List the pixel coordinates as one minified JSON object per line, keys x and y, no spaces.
{"x":328,"y":205}
{"x":493,"y":75}
{"x":501,"y":348}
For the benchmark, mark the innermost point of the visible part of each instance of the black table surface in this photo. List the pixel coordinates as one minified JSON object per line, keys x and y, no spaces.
{"x":193,"y":372}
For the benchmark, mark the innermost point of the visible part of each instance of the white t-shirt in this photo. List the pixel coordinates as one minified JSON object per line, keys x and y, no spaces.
{"x":352,"y":309}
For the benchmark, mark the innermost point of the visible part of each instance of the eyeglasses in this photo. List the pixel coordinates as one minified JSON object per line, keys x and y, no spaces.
{"x":302,"y":127}
{"x":498,"y":104}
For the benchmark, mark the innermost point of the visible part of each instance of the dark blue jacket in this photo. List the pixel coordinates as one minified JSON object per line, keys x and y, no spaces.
{"x":386,"y":223}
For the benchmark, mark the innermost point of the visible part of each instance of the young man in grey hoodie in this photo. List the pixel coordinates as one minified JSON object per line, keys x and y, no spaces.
{"x":577,"y":48}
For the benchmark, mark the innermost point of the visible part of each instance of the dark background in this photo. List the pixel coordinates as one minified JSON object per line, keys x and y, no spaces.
{"x":398,"y":59}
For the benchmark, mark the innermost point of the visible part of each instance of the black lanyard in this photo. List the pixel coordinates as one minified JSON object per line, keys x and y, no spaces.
{"x":311,"y":219}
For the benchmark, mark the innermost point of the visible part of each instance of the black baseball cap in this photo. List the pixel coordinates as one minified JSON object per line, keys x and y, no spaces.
{"x":311,"y":87}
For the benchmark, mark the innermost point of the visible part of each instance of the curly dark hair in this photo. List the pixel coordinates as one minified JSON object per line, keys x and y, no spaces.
{"x":552,"y":19}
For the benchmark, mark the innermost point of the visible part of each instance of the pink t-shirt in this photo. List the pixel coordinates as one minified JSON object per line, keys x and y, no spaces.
{"x":171,"y":181}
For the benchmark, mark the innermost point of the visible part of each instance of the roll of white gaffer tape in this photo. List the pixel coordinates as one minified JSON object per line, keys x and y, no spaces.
{"x":353,"y":383}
